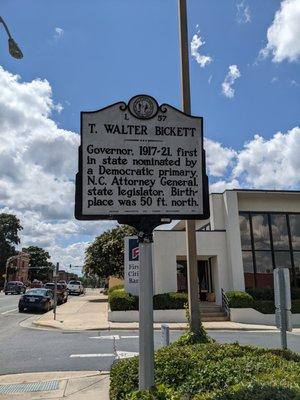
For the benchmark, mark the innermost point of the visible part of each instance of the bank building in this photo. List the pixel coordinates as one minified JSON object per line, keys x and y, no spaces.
{"x":248,"y":234}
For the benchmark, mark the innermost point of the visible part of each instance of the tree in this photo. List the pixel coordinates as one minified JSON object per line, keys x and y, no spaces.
{"x":9,"y":229}
{"x":105,"y":256}
{"x":40,"y":264}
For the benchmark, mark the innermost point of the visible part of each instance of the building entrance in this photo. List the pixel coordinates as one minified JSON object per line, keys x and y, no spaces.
{"x":204,"y":278}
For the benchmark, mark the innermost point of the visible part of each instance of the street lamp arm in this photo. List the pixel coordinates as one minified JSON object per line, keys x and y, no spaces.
{"x":5,"y":27}
{"x":14,"y":49}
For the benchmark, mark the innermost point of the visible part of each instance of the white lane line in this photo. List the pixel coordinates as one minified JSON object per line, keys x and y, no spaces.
{"x":111,"y":337}
{"x":91,"y":355}
{"x":9,"y":311}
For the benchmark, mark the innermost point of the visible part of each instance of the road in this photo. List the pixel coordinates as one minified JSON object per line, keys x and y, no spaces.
{"x":31,"y":350}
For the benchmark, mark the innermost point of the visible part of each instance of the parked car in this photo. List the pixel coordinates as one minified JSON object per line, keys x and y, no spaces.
{"x":62,"y":293}
{"x":76,"y":287}
{"x":40,"y":299}
{"x":15,"y":287}
{"x":37,"y":284}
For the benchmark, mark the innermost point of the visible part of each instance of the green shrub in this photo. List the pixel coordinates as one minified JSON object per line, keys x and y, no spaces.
{"x":239,"y":299}
{"x":117,"y":287}
{"x":264,"y":306}
{"x":261,"y":293}
{"x":213,"y":372}
{"x":170,"y":301}
{"x":119,"y":300}
{"x":268,"y":307}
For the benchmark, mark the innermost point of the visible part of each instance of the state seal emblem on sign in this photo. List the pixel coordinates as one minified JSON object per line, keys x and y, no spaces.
{"x":143,"y":107}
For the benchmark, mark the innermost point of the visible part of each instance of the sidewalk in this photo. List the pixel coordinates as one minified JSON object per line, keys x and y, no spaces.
{"x":83,"y":385}
{"x":90,"y":312}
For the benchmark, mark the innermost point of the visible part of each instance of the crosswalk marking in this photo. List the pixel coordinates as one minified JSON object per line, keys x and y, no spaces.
{"x":116,"y":337}
{"x":126,"y":354}
{"x":91,"y":355}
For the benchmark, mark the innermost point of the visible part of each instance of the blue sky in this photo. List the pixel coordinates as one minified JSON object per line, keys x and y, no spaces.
{"x":95,"y":52}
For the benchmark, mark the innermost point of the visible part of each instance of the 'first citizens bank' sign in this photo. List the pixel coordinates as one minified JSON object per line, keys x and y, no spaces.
{"x":131,"y":265}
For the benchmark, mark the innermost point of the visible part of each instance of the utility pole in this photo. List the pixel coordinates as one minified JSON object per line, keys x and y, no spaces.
{"x":191,"y":244}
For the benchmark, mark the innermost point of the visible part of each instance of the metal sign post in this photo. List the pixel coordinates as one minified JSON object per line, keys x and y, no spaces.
{"x":146,"y":340}
{"x":282,"y":291}
{"x":165,"y":335}
{"x":55,"y":275}
{"x":142,"y":164}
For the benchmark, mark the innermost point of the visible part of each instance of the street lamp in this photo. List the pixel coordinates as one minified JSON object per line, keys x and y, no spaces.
{"x":14,"y":49}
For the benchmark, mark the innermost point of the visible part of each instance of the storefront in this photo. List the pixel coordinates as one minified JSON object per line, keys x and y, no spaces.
{"x":249,"y":233}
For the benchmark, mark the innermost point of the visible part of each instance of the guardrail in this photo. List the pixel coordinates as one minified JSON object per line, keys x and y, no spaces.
{"x":225,"y":303}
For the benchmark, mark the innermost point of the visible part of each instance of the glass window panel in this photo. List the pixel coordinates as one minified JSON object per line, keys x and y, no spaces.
{"x":248,"y":261}
{"x":297,"y":267}
{"x":261,"y":232}
{"x":248,"y":269}
{"x":280,"y":232}
{"x":264,"y":269}
{"x":283,"y":259}
{"x":245,"y":232}
{"x":295,"y":230}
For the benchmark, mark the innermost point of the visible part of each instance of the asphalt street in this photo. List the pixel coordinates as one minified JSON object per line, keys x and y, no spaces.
{"x":31,"y":350}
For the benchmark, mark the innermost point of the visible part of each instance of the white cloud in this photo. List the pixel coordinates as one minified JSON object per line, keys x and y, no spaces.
{"x":196,"y":43}
{"x":243,"y":13}
{"x":58,"y":33}
{"x":38,"y":162}
{"x":270,"y":164}
{"x":284,"y":33}
{"x":232,"y":75}
{"x":218,"y":158}
{"x":260,"y":164}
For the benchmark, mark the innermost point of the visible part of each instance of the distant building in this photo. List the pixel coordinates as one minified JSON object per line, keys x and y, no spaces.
{"x":19,"y":267}
{"x":63,"y":275}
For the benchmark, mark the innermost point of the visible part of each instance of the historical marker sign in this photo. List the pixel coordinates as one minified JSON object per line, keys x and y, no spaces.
{"x":141,"y":160}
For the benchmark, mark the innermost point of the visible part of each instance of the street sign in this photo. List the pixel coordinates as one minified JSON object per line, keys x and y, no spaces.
{"x":282,"y":293}
{"x":131,"y":265}
{"x":141,"y":160}
{"x":287,"y":304}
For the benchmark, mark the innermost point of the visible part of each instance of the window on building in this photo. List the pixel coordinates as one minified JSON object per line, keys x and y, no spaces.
{"x":245,"y":231}
{"x":269,"y":240}
{"x":280,"y":232}
{"x":264,"y":268}
{"x":261,"y":232}
{"x":295,"y":230}
{"x":297,"y":267}
{"x":248,"y":269}
{"x":283,"y":259}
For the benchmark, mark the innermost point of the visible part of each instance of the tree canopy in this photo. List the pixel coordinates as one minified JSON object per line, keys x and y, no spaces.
{"x":105,"y":256}
{"x":40,"y":264}
{"x":9,"y":237}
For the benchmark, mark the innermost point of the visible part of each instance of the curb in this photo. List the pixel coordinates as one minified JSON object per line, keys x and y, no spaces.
{"x":45,"y":325}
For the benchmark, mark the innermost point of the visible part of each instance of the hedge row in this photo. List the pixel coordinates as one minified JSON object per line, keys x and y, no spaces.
{"x":119,"y":300}
{"x":268,"y":293}
{"x":245,"y":300}
{"x":212,"y":372}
